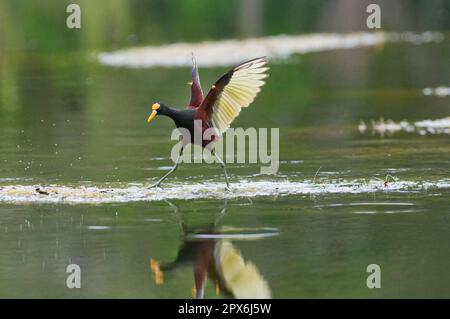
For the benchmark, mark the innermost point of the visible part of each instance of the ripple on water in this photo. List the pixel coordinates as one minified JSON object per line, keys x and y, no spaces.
{"x":232,"y":236}
{"x":368,"y":204}
{"x":237,"y":233}
{"x":96,"y":227}
{"x":369,"y":208}
{"x":398,"y":211}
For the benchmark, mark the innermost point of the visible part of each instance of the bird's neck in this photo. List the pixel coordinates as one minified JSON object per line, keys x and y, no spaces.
{"x":167,"y":111}
{"x":170,"y":112}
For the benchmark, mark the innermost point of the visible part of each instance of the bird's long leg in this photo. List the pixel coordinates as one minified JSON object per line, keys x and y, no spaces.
{"x":221,"y":214}
{"x":173,"y":169}
{"x":222,"y":164}
{"x":180,"y":220}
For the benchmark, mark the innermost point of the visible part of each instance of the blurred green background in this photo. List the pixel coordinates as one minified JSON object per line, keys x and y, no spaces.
{"x":40,"y":25}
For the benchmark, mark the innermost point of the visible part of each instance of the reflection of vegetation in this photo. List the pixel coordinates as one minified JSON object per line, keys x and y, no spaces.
{"x":9,"y":94}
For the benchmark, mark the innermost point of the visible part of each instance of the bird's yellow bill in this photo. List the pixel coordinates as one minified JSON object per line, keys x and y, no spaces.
{"x":152,"y":116}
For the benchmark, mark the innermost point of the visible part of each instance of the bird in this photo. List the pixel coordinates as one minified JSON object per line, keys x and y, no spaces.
{"x":213,"y":257}
{"x":234,"y":90}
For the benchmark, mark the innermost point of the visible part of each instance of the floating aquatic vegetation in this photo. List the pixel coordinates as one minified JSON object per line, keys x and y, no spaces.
{"x":97,"y":195}
{"x":441,"y":91}
{"x":227,"y":52}
{"x":389,"y":127}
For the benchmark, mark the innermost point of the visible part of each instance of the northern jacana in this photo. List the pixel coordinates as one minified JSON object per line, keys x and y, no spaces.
{"x":234,"y":90}
{"x":214,"y":258}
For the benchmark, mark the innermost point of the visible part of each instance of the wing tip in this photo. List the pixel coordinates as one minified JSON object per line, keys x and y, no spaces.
{"x":260,"y":60}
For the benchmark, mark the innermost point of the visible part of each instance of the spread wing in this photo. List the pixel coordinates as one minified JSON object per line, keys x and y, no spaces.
{"x":233,"y":91}
{"x":196,"y":89}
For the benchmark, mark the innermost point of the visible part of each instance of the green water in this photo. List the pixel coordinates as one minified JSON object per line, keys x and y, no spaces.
{"x":66,"y":120}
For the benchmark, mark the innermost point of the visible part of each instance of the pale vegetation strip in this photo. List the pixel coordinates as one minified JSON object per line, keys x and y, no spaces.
{"x":228,"y":52}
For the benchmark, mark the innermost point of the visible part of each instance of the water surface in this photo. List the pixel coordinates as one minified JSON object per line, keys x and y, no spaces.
{"x":67,"y":122}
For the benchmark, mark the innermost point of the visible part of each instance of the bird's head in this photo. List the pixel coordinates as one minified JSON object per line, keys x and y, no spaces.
{"x":156,"y":108}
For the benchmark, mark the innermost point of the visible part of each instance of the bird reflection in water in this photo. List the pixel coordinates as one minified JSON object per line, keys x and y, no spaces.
{"x":213,"y":255}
